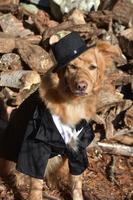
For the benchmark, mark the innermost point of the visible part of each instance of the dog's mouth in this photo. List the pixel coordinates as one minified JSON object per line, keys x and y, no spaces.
{"x":79,"y":93}
{"x":76,"y":93}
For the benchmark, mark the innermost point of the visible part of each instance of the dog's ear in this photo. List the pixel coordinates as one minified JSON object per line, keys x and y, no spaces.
{"x":112,"y":53}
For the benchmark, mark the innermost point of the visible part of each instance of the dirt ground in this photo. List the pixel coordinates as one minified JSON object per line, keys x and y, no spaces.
{"x":107,"y":178}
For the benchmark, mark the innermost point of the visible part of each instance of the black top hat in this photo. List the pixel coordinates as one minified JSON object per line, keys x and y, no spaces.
{"x":68,"y":48}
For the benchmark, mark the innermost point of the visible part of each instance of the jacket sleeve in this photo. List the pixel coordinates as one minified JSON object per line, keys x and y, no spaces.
{"x":35,"y":151}
{"x":78,"y":162}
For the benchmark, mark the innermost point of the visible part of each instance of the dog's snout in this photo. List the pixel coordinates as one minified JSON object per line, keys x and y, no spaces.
{"x":81,"y":86}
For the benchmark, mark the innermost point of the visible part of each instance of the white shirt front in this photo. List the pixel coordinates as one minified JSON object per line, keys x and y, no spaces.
{"x":67,"y":132}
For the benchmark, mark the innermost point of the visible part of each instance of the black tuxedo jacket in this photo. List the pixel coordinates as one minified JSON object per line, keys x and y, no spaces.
{"x":32,"y":138}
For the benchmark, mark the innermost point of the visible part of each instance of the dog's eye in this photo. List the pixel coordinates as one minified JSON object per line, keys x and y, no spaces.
{"x":92,"y":66}
{"x":72,"y":66}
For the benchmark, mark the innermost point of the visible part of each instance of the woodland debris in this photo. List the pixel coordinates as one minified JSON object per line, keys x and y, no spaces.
{"x":112,"y":117}
{"x":118,"y":78}
{"x":123,"y":136}
{"x":126,"y":42}
{"x":113,"y":120}
{"x":9,"y":6}
{"x":10,"y":61}
{"x":8,"y":93}
{"x":24,"y":93}
{"x":109,"y":96}
{"x":33,"y":39}
{"x":129,"y":117}
{"x":101,"y":18}
{"x":34,"y":56}
{"x":107,"y":4}
{"x":127,"y":68}
{"x":107,"y":99}
{"x":123,"y":12}
{"x":12,"y":26}
{"x":77,"y":16}
{"x":7,"y":43}
{"x":42,"y":21}
{"x":6,"y":2}
{"x":40,"y":18}
{"x":19,"y":79}
{"x":14,"y":98}
{"x":13,"y":8}
{"x":124,"y":139}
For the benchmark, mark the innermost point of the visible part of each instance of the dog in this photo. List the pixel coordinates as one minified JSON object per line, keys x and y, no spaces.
{"x":69,"y":92}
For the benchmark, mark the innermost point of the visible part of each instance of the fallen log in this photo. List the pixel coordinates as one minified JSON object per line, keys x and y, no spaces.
{"x":116,"y":149}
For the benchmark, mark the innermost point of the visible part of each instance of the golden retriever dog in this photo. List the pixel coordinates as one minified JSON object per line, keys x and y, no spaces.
{"x":70,"y":94}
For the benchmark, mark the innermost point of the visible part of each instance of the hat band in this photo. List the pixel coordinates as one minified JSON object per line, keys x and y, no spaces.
{"x":71,"y":56}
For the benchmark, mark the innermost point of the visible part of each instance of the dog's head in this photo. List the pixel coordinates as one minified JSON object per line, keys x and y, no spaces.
{"x":84,"y":75}
{"x":71,"y":90}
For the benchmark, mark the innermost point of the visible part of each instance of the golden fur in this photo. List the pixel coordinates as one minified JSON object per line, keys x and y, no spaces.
{"x":72,"y":93}
{"x":59,"y":90}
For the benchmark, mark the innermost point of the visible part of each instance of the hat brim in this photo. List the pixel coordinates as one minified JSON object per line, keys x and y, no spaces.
{"x":60,"y":66}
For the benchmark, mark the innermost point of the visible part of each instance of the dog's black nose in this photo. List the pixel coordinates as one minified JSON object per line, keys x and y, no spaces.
{"x":81,"y":86}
